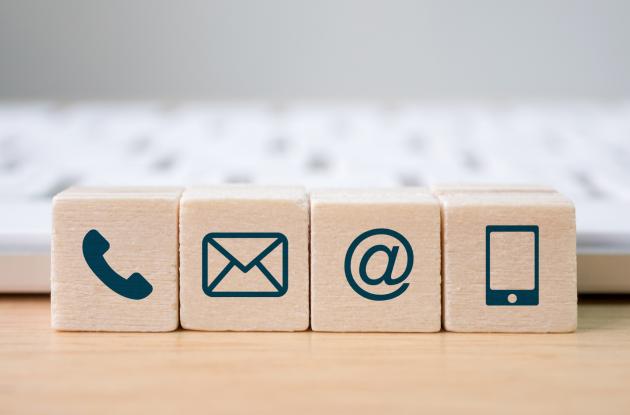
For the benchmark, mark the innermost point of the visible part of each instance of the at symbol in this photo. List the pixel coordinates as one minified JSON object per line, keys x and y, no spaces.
{"x":387,"y":277}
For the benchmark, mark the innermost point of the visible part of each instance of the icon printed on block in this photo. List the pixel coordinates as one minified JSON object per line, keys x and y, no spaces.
{"x":386,"y":277}
{"x":245,"y":264}
{"x":136,"y":287}
{"x":512,"y":265}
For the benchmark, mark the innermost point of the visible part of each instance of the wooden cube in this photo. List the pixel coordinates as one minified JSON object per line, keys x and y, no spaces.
{"x":375,"y":261}
{"x":114,"y":259}
{"x":509,"y":260}
{"x":490,"y":188}
{"x":244,"y":258}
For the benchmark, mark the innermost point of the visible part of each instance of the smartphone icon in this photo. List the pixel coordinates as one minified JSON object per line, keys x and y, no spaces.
{"x":136,"y":287}
{"x":512,"y":265}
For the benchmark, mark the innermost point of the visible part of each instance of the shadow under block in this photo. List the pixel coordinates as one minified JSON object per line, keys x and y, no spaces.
{"x":244,"y":259}
{"x":117,"y":232}
{"x":375,"y":261}
{"x":509,"y":262}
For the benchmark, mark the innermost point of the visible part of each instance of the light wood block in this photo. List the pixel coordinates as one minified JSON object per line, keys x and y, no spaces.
{"x":490,"y":188}
{"x":136,"y":232}
{"x":225,"y":233}
{"x":343,"y":298}
{"x":491,"y":242}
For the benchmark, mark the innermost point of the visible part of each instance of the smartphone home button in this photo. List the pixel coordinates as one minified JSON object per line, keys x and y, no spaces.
{"x":512,"y":298}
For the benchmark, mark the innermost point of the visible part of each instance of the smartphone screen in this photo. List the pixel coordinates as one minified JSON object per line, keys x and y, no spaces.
{"x":512,"y":264}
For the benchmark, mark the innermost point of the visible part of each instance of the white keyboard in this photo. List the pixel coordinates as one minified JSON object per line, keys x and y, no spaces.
{"x":581,"y":149}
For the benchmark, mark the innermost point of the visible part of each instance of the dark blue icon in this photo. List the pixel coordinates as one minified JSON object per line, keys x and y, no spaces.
{"x":276,"y":280}
{"x":386,"y":277}
{"x":512,"y":297}
{"x":136,"y":287}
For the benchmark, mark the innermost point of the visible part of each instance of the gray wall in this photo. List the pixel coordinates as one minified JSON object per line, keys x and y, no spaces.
{"x":314,"y":49}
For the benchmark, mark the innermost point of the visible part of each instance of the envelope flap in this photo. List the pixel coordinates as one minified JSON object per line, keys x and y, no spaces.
{"x":245,"y":250}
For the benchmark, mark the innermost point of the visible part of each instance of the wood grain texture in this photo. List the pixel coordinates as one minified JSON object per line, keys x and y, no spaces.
{"x":465,"y":216}
{"x":45,"y":371}
{"x":338,"y":217}
{"x":246,"y":209}
{"x":140,"y":225}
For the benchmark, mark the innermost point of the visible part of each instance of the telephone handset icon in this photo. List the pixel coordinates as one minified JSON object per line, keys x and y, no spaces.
{"x":136,"y":287}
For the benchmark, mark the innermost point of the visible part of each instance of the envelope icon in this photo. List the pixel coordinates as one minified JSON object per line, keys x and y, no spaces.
{"x":245,"y":264}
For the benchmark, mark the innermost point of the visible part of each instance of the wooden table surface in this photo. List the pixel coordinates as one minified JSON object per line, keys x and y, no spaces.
{"x":43,"y":371}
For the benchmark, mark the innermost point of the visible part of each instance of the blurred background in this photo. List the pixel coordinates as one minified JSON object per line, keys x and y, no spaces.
{"x":283,"y":49}
{"x":321,"y":93}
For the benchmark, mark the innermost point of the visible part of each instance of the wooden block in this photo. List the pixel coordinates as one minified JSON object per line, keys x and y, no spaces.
{"x":486,"y":188}
{"x":114,"y":259}
{"x":375,"y":261}
{"x":244,"y":258}
{"x":509,"y":261}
